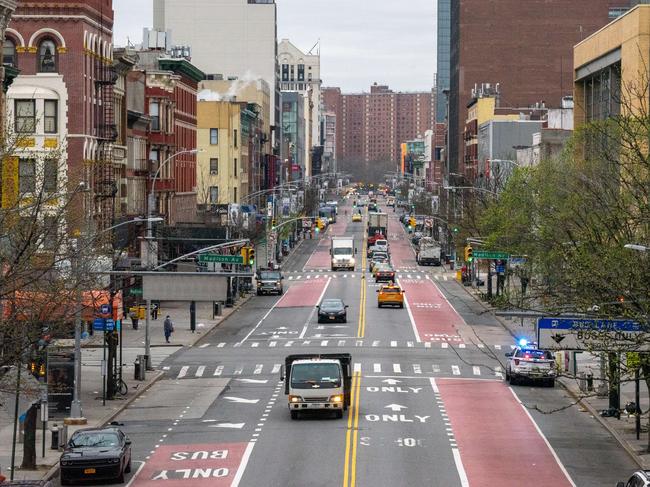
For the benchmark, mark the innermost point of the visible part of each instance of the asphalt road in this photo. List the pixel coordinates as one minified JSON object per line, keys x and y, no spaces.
{"x":431,"y":406}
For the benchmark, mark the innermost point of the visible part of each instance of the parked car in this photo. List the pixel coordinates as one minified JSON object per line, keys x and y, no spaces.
{"x":96,"y":454}
{"x":332,"y":310}
{"x":640,"y":478}
{"x":528,"y":362}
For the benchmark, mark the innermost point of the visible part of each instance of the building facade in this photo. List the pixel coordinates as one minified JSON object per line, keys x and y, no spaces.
{"x":371,"y":126}
{"x":65,"y":55}
{"x":301,"y":72}
{"x":443,"y":46}
{"x":229,"y":37}
{"x":530,"y":53}
{"x":294,"y":130}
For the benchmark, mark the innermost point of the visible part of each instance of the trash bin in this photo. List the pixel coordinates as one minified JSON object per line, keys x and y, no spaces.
{"x":139,"y":368}
{"x":582,"y":381}
{"x":218,"y":308}
{"x":54,"y":444}
{"x":451,"y":265}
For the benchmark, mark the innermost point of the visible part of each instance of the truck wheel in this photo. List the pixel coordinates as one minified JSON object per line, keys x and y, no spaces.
{"x":259,"y":293}
{"x":281,"y":292}
{"x":401,"y":305}
{"x":339,"y":414}
{"x":294,"y":414}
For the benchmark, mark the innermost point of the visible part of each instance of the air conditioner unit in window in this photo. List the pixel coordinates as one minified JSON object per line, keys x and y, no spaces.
{"x":213,"y":173}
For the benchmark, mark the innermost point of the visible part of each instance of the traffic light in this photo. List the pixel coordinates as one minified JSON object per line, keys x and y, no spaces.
{"x":456,"y":229}
{"x":244,"y":254}
{"x":469,"y":254}
{"x":412,"y":222}
{"x":273,"y":223}
{"x":251,"y":256}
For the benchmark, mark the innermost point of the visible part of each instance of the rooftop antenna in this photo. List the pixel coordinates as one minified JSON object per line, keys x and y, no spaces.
{"x":315,"y":45}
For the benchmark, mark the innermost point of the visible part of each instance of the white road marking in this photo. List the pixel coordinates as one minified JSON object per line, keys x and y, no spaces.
{"x":375,"y":343}
{"x":341,"y":343}
{"x":311,"y":315}
{"x":242,"y":464}
{"x":253,"y":381}
{"x":272,"y":344}
{"x":411,"y":319}
{"x":427,"y":344}
{"x":461,"y":345}
{"x":218,"y":370}
{"x":238,"y":370}
{"x":324,"y":343}
{"x":309,"y":277}
{"x":477,"y":370}
{"x":236,"y":426}
{"x":241,"y":400}
{"x":459,"y":467}
{"x":255,"y":344}
{"x":498,"y":371}
{"x":409,"y":344}
{"x":397,"y":368}
{"x":455,"y":370}
{"x":417,"y":369}
{"x":434,"y":386}
{"x":183,"y":372}
{"x":258,"y":369}
{"x":376,"y":368}
{"x":444,"y":345}
{"x":393,"y":344}
{"x":204,"y":345}
{"x":480,"y":345}
{"x":221,"y":345}
{"x":357,"y":367}
{"x":289,"y":343}
{"x":498,"y":347}
{"x":276,"y":368}
{"x":199,"y":371}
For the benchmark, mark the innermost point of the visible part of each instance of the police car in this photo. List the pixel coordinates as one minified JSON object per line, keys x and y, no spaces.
{"x":641,"y":478}
{"x":526,"y":361}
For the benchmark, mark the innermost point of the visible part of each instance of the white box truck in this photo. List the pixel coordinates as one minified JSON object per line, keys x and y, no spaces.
{"x":428,"y":252}
{"x":320,"y":382}
{"x":342,"y":253}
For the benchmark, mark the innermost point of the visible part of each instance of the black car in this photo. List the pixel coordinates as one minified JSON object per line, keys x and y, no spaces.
{"x":96,"y":454}
{"x":332,"y":310}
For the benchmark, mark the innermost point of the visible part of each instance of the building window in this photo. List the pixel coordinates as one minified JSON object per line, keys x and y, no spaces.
{"x":50,"y":116}
{"x":309,"y":77}
{"x":50,"y":233}
{"x":47,"y":56}
{"x":291,"y":73}
{"x":234,"y":194}
{"x":285,"y":72}
{"x":214,"y":136}
{"x":235,"y":137}
{"x":50,"y":175}
{"x":25,"y":115}
{"x":214,"y":165}
{"x":9,"y":53}
{"x":301,"y":86}
{"x":27,"y":175}
{"x":301,"y":72}
{"x":214,"y":195}
{"x":234,"y":167}
{"x":154,"y":113}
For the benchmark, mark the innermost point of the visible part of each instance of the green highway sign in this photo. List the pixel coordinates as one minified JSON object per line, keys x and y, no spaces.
{"x":488,"y":254}
{"x":223,"y":259}
{"x":135,"y":291}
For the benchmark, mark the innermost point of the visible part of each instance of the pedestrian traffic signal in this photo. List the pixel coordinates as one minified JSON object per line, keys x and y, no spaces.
{"x":469,"y":254}
{"x":251,"y":256}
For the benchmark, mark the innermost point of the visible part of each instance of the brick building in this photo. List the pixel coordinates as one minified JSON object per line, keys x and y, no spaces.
{"x":65,"y":55}
{"x":526,"y":47}
{"x":371,"y":126}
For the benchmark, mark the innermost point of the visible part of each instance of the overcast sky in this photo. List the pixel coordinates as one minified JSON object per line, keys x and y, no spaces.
{"x":362,"y":41}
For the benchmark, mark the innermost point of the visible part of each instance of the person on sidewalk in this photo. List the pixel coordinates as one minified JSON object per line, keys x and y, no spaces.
{"x":168,"y":328}
{"x":154,"y":311}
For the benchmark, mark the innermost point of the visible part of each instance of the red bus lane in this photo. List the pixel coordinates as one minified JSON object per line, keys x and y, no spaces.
{"x":304,"y":294}
{"x":401,"y":252}
{"x":320,"y":259}
{"x":195,"y":465}
{"x":432,"y":317}
{"x":497,"y":439}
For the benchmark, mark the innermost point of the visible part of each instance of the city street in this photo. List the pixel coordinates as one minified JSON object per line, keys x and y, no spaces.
{"x":429,"y":407}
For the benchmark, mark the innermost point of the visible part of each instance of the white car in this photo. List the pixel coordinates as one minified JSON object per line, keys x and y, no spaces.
{"x":640,"y":478}
{"x":381,"y":246}
{"x":528,"y":362}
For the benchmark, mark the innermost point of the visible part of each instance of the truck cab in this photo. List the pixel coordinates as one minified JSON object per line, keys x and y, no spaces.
{"x":317,"y":382}
{"x":342,"y":253}
{"x":269,"y":281}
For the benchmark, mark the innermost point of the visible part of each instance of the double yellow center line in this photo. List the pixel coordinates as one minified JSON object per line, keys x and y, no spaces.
{"x":352,"y":434}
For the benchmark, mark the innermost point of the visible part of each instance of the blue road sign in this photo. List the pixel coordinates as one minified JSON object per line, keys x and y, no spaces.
{"x":592,"y":334}
{"x":110,"y":325}
{"x":588,"y":324}
{"x":105,"y":309}
{"x":98,"y":324}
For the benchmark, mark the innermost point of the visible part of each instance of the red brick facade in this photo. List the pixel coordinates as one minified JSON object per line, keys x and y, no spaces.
{"x":371,"y":126}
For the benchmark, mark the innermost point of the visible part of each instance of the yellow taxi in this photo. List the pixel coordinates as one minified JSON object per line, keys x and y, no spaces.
{"x":356,"y":217}
{"x":390,"y":295}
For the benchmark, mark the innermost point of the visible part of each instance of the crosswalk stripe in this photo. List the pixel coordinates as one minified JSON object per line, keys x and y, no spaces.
{"x":341,"y":343}
{"x":221,"y":345}
{"x":477,"y":370}
{"x":480,"y":345}
{"x":272,"y":344}
{"x":409,"y":344}
{"x":455,"y":370}
{"x":393,"y":344}
{"x":417,"y":369}
{"x":255,"y":344}
{"x":445,"y":278}
{"x":306,"y":342}
{"x":345,"y":275}
{"x":461,"y":345}
{"x":204,"y":345}
{"x":276,"y":368}
{"x":199,"y":371}
{"x":291,"y":278}
{"x":238,"y":371}
{"x":357,"y":367}
{"x":375,"y":343}
{"x":435,"y":368}
{"x":308,"y":277}
{"x":427,"y":344}
{"x":288,"y":344}
{"x":324,"y":343}
{"x":258,"y":369}
{"x":218,"y":371}
{"x":298,"y":277}
{"x":409,"y":276}
{"x":359,"y":343}
{"x":444,"y":345}
{"x":376,"y":368}
{"x":183,"y":372}
{"x":397,"y":368}
{"x":498,"y":347}
{"x":498,"y":371}
{"x":437,"y":276}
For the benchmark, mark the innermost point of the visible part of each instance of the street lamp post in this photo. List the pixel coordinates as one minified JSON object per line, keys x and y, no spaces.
{"x":76,"y":411}
{"x":150,"y":247}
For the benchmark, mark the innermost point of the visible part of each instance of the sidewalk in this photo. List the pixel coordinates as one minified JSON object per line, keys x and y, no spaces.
{"x":623,"y":429}
{"x":94,"y":411}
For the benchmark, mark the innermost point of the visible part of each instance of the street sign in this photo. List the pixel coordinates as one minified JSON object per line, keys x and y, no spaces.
{"x":428,"y":222}
{"x":135,"y":291}
{"x":223,"y":259}
{"x":592,"y":334}
{"x":490,"y":255}
{"x":105,"y":309}
{"x":101,"y":324}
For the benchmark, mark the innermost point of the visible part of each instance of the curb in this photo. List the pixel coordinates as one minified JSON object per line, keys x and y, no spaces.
{"x":51,"y":473}
{"x":487,"y":308}
{"x":236,"y":308}
{"x":612,"y":431}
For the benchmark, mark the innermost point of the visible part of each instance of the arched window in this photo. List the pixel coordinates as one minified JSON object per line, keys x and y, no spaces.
{"x":9,"y":53}
{"x":47,"y":57}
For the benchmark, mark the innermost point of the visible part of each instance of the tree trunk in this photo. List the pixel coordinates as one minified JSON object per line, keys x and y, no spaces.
{"x":29,"y":445}
{"x":645,"y":369}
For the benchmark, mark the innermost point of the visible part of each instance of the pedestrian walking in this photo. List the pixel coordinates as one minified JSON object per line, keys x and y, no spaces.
{"x":133,"y":314}
{"x":154,"y":311}
{"x":168,"y":328}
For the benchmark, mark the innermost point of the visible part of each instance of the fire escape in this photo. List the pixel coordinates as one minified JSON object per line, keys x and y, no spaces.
{"x":104,"y":183}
